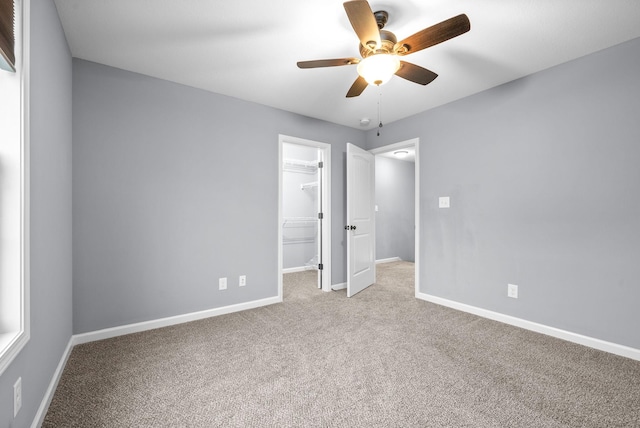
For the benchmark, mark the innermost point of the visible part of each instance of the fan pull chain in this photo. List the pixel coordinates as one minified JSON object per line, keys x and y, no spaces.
{"x":379,"y":114}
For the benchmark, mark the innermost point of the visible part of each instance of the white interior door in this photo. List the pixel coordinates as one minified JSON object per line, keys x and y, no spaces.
{"x":360,"y":228}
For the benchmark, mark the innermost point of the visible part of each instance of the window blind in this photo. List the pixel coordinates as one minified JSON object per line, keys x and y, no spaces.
{"x":7,"y":40}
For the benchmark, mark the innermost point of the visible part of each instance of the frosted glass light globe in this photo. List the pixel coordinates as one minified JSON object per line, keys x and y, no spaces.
{"x":378,"y":69}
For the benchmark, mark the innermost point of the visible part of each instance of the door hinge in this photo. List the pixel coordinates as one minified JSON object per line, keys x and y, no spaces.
{"x":320,"y":164}
{"x":320,"y":216}
{"x":320,"y":266}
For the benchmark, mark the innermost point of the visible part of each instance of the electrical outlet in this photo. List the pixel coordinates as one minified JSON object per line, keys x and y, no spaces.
{"x":222,"y":283}
{"x":243,"y":280}
{"x":444,"y":202}
{"x":512,"y":291}
{"x":17,"y":396}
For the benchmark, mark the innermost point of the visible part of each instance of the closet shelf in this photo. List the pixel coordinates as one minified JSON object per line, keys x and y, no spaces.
{"x":311,"y":185}
{"x":297,"y":165}
{"x":299,"y":221}
{"x":299,"y":240}
{"x":299,"y":230}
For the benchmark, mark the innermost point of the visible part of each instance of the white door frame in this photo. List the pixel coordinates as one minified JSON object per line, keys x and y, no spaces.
{"x":414,"y":142}
{"x":326,"y":204}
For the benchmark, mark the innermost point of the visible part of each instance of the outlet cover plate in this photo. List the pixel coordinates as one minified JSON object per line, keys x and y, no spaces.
{"x":242,"y":280}
{"x":222,"y":283}
{"x":444,"y":202}
{"x":512,"y":291}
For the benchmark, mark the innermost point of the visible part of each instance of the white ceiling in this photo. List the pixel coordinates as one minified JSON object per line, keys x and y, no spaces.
{"x":248,"y":49}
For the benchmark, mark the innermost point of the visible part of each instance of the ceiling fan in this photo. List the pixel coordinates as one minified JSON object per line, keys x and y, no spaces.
{"x":381,"y":51}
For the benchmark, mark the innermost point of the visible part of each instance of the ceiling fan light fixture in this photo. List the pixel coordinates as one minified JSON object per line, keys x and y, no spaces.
{"x":379,"y":68}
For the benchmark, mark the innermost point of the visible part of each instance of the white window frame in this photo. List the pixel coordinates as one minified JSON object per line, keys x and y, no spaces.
{"x":14,"y":217}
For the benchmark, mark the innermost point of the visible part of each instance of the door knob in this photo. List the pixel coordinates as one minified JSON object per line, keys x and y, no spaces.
{"x":353,"y":228}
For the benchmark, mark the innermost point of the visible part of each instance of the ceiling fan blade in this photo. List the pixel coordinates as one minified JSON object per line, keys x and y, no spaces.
{"x":415,"y":73}
{"x":433,"y":35}
{"x":363,"y":22}
{"x":327,"y":62}
{"x":358,"y":86}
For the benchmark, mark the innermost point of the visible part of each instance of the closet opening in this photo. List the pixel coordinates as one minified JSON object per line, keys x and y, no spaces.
{"x":304,"y":210}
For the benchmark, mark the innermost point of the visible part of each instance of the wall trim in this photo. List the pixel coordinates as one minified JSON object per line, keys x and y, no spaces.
{"x":108,"y":333}
{"x":340,"y":286}
{"x":297,"y":269}
{"x":51,"y":389}
{"x":612,"y":348}
{"x":389,"y":260}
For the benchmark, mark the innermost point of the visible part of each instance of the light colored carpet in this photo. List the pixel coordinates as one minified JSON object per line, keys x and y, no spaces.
{"x":379,"y":359}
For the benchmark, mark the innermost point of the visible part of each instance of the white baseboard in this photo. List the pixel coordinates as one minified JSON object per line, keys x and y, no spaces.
{"x":340,"y":286}
{"x":389,"y":260}
{"x":297,"y":269}
{"x":165,"y":322}
{"x":51,"y":389}
{"x":613,"y":348}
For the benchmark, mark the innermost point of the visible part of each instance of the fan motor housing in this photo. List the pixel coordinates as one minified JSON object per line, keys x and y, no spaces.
{"x":388,"y":40}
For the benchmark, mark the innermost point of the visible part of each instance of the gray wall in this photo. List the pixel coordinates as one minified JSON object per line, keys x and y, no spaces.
{"x":175,"y":187}
{"x":51,"y":324}
{"x":543,"y":177}
{"x":395,"y":218}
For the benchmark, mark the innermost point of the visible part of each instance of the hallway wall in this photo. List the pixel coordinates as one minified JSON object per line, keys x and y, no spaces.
{"x":395,"y":218}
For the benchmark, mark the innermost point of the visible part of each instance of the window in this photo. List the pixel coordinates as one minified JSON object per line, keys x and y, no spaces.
{"x":14,"y":194}
{"x":7,"y":36}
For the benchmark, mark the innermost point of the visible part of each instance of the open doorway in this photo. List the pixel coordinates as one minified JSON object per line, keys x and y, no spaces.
{"x":397,"y":203}
{"x":304,"y":220}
